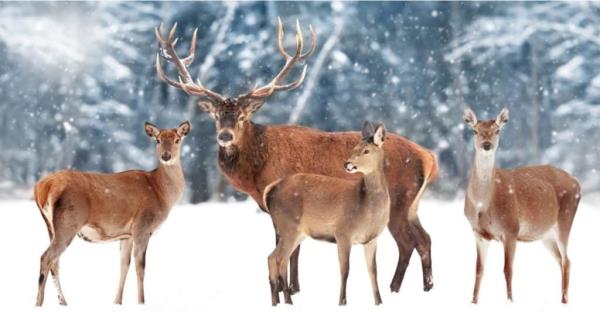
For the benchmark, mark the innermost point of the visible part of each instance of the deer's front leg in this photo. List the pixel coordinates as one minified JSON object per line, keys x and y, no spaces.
{"x":371,"y":258}
{"x":344,"y":247}
{"x":482,"y":248}
{"x":126,"y":247}
{"x":510,"y":245}
{"x":140,"y":245}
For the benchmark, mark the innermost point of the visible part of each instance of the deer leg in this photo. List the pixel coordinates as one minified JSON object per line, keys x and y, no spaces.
{"x":370,"y":256}
{"x":482,"y":248}
{"x":274,"y":276}
{"x":286,"y":247}
{"x":423,"y":246}
{"x":344,"y":247}
{"x":294,"y":283}
{"x":140,"y":245}
{"x":510,"y":245}
{"x":405,"y":244}
{"x":48,"y":260}
{"x":54,"y":269}
{"x":565,"y":265}
{"x":55,"y":277}
{"x":126,"y":245}
{"x":65,"y":228}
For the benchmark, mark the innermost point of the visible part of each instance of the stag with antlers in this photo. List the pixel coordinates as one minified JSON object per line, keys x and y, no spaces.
{"x":251,"y":156}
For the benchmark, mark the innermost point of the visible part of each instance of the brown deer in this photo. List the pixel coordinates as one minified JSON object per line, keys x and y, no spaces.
{"x":521,"y":204}
{"x":127,"y":206}
{"x":333,"y":209}
{"x":251,"y":156}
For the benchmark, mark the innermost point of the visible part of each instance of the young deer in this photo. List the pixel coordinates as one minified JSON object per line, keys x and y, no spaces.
{"x":127,"y":206}
{"x":522,"y":204}
{"x":332,"y":209}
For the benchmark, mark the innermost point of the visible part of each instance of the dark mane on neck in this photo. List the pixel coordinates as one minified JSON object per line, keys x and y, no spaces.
{"x":249,"y":156}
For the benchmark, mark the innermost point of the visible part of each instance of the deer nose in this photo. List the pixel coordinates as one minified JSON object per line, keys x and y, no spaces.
{"x":349,"y":166}
{"x":225,"y":136}
{"x":487,"y":146}
{"x":165,"y":156}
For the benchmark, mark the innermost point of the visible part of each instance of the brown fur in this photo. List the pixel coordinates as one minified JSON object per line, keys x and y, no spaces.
{"x":332,"y":209}
{"x":264,"y":154}
{"x":521,"y":204}
{"x":127,"y":206}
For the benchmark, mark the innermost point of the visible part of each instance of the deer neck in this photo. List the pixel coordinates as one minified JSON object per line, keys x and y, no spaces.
{"x":248,"y":155}
{"x":169,"y":182}
{"x":375,"y":187}
{"x":481,"y":182}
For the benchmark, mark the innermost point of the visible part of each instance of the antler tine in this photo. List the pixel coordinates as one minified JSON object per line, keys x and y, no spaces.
{"x":172,"y":33}
{"x":280,"y":35}
{"x":313,"y":43}
{"x":290,"y":61}
{"x":185,"y":81}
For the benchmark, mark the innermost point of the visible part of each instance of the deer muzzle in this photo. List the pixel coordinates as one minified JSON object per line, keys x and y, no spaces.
{"x":225,"y":138}
{"x":349,"y":167}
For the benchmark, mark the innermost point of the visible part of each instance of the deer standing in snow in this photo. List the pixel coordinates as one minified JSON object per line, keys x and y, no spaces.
{"x":521,"y":204}
{"x":127,"y":206}
{"x":252,"y":156}
{"x":333,"y":209}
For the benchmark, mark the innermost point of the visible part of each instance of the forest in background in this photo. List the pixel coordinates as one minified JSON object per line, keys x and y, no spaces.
{"x":77,"y":81}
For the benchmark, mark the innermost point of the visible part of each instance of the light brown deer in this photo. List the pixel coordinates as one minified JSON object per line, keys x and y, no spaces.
{"x":127,"y":206}
{"x":333,"y":209}
{"x":251,"y":156}
{"x":521,"y":204}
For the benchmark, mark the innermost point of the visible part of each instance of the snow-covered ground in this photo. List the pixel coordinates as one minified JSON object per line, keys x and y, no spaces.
{"x":212,"y":257}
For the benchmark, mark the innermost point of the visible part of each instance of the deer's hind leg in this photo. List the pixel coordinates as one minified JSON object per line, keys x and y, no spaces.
{"x":66,"y":224}
{"x":286,"y":246}
{"x":568,"y":208}
{"x":402,"y":234}
{"x":423,"y":246}
{"x":54,"y":269}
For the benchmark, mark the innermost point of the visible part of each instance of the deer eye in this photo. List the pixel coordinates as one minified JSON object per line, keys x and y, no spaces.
{"x":177,"y":140}
{"x":366,"y":152}
{"x":497,"y":131}
{"x":157,"y":140}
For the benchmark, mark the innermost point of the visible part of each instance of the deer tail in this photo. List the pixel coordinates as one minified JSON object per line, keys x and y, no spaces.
{"x":266,"y":192}
{"x":429,"y":176}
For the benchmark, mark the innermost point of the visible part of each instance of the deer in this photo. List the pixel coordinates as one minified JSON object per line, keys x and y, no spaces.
{"x":127,"y":206}
{"x":521,"y":204}
{"x":252,"y":155}
{"x":332,"y":209}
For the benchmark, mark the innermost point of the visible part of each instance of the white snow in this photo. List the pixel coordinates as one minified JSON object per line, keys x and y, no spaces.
{"x":212,"y":258}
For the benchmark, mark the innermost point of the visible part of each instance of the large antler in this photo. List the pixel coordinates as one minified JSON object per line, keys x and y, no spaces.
{"x":290,"y":61}
{"x":185,"y":81}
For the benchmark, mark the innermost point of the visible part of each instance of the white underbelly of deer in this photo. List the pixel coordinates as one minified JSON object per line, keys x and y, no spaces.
{"x":96,"y":234}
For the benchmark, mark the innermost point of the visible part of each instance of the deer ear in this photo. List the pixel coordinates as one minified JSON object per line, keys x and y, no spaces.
{"x":367,"y":130}
{"x":379,"y":135}
{"x":184,"y":129}
{"x":502,"y":118}
{"x":151,"y":130}
{"x":469,"y":117}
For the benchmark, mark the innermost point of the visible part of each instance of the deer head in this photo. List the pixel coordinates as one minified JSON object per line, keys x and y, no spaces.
{"x":487,"y":133}
{"x":168,"y":141}
{"x":367,"y":155}
{"x":231,"y":114}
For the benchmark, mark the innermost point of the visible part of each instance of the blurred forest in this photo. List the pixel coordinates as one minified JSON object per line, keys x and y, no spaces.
{"x":77,"y":81}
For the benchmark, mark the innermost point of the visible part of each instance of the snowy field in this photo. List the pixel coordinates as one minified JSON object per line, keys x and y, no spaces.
{"x":212,"y":257}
